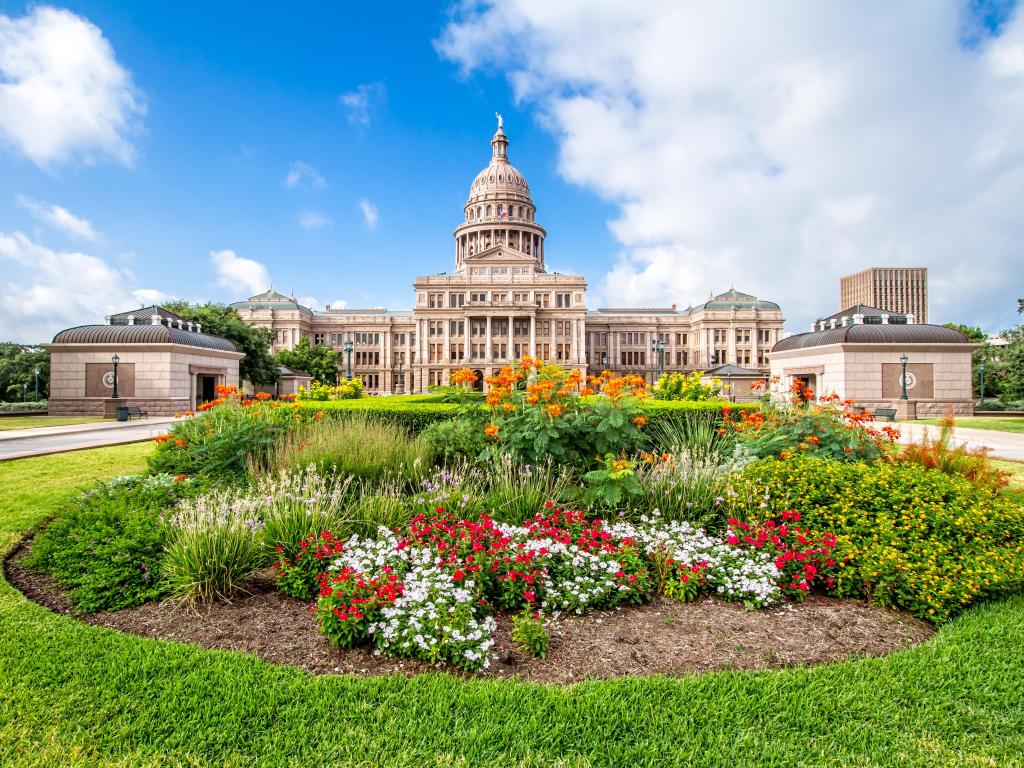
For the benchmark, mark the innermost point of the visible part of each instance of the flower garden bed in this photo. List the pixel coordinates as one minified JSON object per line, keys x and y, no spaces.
{"x":664,"y":637}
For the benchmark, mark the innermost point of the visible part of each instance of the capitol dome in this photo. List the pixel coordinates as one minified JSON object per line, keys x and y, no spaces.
{"x":500,"y":210}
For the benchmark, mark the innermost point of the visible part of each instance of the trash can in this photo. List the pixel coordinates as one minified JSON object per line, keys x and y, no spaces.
{"x":122,"y":413}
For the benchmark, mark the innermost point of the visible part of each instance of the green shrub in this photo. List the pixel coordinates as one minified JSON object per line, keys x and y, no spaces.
{"x":413,"y":413}
{"x":528,"y":630}
{"x":220,"y":442}
{"x":106,"y":549}
{"x":456,"y":439}
{"x":361,"y":445}
{"x":350,"y":389}
{"x":680,"y":386}
{"x":908,"y":536}
{"x":292,"y":506}
{"x":25,"y":407}
{"x":214,"y":544}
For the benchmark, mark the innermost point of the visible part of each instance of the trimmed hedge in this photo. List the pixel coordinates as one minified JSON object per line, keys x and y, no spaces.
{"x":416,"y":412}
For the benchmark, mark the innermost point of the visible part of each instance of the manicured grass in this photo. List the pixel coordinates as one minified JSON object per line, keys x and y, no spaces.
{"x":71,"y":694}
{"x":1015,"y":490}
{"x":31,"y":422}
{"x":995,"y":423}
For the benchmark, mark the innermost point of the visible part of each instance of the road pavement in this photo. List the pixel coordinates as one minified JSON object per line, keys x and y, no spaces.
{"x":20,"y":443}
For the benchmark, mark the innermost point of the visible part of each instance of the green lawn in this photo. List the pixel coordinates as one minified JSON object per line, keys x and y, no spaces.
{"x":1016,"y":469}
{"x":995,"y":423}
{"x":31,"y":422}
{"x":72,"y":694}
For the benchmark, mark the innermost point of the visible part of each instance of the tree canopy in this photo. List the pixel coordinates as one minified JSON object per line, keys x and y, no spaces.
{"x":18,"y":364}
{"x":319,"y":361}
{"x":258,"y":365}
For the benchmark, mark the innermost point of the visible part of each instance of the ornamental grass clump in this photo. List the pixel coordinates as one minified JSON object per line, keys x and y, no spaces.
{"x":215,"y":543}
{"x":939,"y":453}
{"x":355,"y":444}
{"x":515,"y":491}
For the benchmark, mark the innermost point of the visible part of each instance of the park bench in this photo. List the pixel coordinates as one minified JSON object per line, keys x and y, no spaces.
{"x":136,"y":412}
{"x":885,"y":413}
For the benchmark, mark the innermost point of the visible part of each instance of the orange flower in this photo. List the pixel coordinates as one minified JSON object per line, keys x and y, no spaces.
{"x":640,"y":420}
{"x":263,"y":395}
{"x":814,"y":440}
{"x":494,"y":396}
{"x":179,"y":478}
{"x":491,"y":430}
{"x":180,"y":443}
{"x":554,"y":410}
{"x":318,"y":416}
{"x":463,"y":377}
{"x":532,"y":399}
{"x":508,"y":407}
{"x":586,"y":392}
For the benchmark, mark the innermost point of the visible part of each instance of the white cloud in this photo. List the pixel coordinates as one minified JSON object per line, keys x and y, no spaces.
{"x":370,"y":214}
{"x":361,"y":103}
{"x":304,"y":174}
{"x":44,"y":291}
{"x":236,"y":273}
{"x":338,"y":304}
{"x":60,"y":218}
{"x":309,"y":301}
{"x":63,"y":94}
{"x":778,"y":147}
{"x":311,"y":220}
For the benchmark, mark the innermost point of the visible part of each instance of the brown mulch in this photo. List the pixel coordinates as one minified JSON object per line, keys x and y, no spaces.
{"x":664,"y":637}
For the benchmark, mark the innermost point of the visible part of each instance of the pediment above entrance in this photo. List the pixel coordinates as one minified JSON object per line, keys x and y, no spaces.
{"x":500,"y":253}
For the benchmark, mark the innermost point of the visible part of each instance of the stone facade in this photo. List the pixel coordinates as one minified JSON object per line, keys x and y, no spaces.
{"x":174,"y":367}
{"x":862,"y":362}
{"x":500,"y":303}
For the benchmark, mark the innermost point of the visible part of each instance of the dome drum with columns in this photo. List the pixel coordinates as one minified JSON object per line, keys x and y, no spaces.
{"x":500,"y":303}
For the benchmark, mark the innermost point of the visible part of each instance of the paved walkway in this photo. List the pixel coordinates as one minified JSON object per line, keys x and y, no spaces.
{"x":20,"y":443}
{"x":1004,"y":445}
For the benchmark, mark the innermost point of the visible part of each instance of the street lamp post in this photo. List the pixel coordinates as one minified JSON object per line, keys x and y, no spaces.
{"x":115,"y":360}
{"x":401,"y":381}
{"x":37,"y":383}
{"x":348,"y":359}
{"x":903,"y":379}
{"x":981,"y":383}
{"x":658,"y":348}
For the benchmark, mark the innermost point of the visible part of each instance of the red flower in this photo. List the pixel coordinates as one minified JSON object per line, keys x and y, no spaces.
{"x":459,"y":575}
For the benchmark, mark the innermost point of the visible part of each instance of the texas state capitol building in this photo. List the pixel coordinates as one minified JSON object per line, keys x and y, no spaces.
{"x":500,"y":303}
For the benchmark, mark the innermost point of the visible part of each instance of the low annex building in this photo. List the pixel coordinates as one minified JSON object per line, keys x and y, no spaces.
{"x":857,"y":354}
{"x":500,"y":303}
{"x":166,"y":365}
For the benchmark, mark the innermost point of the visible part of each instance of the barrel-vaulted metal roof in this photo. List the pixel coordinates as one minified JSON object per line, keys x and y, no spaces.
{"x":870,"y":333}
{"x":141,"y":334}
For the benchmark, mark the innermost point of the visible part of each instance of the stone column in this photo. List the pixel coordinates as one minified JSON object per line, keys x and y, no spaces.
{"x":554,"y":345}
{"x":510,"y":352}
{"x":753,"y":347}
{"x":533,"y":336}
{"x":466,"y":323}
{"x":573,"y":346}
{"x":446,"y":356}
{"x":731,"y":349}
{"x":487,"y":342}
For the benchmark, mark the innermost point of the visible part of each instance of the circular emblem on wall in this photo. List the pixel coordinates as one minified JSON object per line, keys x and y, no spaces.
{"x":108,"y":379}
{"x":910,"y":380}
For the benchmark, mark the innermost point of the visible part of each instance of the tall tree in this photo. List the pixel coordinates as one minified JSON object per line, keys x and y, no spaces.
{"x":258,"y":365}
{"x":1013,"y":362}
{"x":18,"y":365}
{"x":319,"y":361}
{"x":972,"y":332}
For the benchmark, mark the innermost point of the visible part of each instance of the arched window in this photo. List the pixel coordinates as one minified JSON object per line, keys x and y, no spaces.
{"x":520,"y":211}
{"x":488,"y":211}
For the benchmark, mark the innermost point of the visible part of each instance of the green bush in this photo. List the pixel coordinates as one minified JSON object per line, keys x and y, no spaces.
{"x":221,"y":442}
{"x":680,"y":386}
{"x":413,"y":413}
{"x":458,"y":438}
{"x":26,"y":407}
{"x":908,"y":536}
{"x":106,"y":549}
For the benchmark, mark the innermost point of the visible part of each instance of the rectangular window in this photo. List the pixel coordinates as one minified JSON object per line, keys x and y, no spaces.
{"x":456,"y":299}
{"x":563,"y":299}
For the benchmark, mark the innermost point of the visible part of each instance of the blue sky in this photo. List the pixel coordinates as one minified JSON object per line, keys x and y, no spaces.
{"x":393,"y":108}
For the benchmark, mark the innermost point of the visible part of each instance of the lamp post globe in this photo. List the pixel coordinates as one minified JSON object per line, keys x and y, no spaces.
{"x":903,"y":378}
{"x":114,"y":361}
{"x":37,"y":382}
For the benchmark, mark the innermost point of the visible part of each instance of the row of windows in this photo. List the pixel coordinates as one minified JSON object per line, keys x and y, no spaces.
{"x":501,"y":210}
{"x":458,"y":300}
